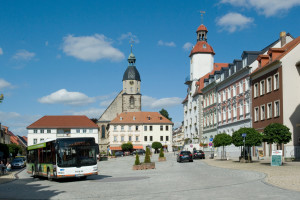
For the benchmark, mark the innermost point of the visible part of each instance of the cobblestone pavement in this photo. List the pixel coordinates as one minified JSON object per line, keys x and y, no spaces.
{"x":170,"y":180}
{"x":286,"y":176}
{"x":10,"y":176}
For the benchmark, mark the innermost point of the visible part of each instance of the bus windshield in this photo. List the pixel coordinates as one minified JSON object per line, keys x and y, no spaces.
{"x":76,"y":153}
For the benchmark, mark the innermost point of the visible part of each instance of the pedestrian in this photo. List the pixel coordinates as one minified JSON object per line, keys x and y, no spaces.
{"x":8,"y":167}
{"x":2,"y":167}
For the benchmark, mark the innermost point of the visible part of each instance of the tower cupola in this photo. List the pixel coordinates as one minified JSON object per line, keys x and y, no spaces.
{"x":202,"y":33}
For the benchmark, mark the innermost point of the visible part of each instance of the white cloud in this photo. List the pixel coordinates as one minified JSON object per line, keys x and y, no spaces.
{"x":4,"y":84}
{"x":168,"y":44}
{"x":24,"y":55}
{"x":233,"y":21}
{"x":1,"y":51}
{"x":266,"y":7}
{"x":130,"y":37}
{"x":177,"y":124}
{"x":151,"y":102}
{"x":69,"y":98}
{"x":91,"y":48}
{"x":16,"y":122}
{"x":187,"y":46}
{"x":90,"y":113}
{"x":106,"y":103}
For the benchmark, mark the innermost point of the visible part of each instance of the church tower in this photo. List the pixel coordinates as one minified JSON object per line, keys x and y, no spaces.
{"x":131,"y":97}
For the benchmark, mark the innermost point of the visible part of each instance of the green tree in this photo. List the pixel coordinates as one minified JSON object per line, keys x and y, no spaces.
{"x":156,"y":146}
{"x":4,"y":148}
{"x":147,"y":156}
{"x":165,"y":113}
{"x":161,"y":153}
{"x":14,"y":149}
{"x":222,"y":140}
{"x":277,"y":133}
{"x":94,"y":120}
{"x":114,"y":153}
{"x":137,"y":159}
{"x":127,"y":146}
{"x":253,"y":138}
{"x":1,"y":98}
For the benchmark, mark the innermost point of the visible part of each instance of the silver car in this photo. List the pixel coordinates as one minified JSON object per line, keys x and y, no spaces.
{"x":18,"y":163}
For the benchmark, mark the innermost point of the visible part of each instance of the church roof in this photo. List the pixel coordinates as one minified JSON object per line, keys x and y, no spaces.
{"x":202,"y":28}
{"x":131,"y":73}
{"x":202,"y":47}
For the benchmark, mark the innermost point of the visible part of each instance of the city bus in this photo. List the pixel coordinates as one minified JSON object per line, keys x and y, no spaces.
{"x":63,"y":158}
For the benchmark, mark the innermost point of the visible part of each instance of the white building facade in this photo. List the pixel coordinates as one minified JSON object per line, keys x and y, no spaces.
{"x":141,"y":129}
{"x":52,"y":127}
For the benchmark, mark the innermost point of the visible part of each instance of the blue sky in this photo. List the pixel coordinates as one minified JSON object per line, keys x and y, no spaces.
{"x":68,"y":57}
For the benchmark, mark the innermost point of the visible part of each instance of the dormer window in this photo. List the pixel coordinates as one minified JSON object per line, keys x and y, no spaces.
{"x":148,"y":117}
{"x":160,"y":118}
{"x":121,"y":118}
{"x":245,"y":62}
{"x":234,"y":68}
{"x":133,"y":117}
{"x":204,"y":46}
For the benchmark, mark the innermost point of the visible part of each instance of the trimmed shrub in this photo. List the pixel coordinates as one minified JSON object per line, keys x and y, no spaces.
{"x":137,"y":159}
{"x":161,"y":153}
{"x":147,"y":156}
{"x":114,"y":154}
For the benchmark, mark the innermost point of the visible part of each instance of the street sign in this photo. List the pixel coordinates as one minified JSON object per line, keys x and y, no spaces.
{"x":211,"y":139}
{"x":210,"y":144}
{"x":276,"y":158}
{"x":244,"y":135}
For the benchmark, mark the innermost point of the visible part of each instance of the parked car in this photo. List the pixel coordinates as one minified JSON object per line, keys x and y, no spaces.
{"x":185,"y":156}
{"x":119,"y":153}
{"x":198,"y":154}
{"x":139,"y":151}
{"x":18,"y":163}
{"x":22,"y":157}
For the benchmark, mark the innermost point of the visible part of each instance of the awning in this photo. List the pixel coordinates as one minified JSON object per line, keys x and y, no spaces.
{"x":138,"y":147}
{"x":116,"y":148}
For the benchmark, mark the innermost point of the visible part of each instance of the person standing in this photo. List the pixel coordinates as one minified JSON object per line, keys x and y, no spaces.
{"x":8,"y":167}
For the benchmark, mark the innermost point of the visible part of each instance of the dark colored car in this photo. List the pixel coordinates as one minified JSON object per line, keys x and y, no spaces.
{"x":119,"y":153}
{"x":18,"y":163}
{"x":198,"y":154}
{"x":185,"y":156}
{"x":139,"y":151}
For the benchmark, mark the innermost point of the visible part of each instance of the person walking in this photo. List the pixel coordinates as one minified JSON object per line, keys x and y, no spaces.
{"x":8,"y":167}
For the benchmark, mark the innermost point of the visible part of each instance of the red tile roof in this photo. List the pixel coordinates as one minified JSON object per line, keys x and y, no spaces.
{"x":71,"y":121}
{"x":200,"y":48}
{"x":200,"y":82}
{"x":25,"y":138}
{"x":14,"y":140}
{"x":140,"y":118}
{"x":202,"y":28}
{"x":284,"y":50}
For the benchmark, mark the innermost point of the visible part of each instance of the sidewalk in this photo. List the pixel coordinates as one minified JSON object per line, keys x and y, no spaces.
{"x":8,"y":177}
{"x":286,"y":176}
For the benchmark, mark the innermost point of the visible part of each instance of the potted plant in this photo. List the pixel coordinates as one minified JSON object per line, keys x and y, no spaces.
{"x":161,"y":155}
{"x":137,"y":164}
{"x":147,"y":162}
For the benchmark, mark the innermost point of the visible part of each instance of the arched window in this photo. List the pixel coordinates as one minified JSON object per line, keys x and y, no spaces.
{"x":102,"y":131}
{"x":131,"y":102}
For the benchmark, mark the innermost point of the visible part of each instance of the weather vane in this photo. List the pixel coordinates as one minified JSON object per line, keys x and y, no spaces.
{"x":131,"y":41}
{"x":202,"y":12}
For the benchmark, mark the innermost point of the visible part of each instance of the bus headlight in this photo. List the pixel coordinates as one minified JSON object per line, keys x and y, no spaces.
{"x":95,"y":168}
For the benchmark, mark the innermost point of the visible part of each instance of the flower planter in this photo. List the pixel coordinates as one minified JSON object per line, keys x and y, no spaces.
{"x":144,"y":166}
{"x":161,"y":159}
{"x":103,"y":158}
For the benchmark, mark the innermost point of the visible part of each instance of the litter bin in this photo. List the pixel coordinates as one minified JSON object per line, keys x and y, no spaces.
{"x":212,"y":156}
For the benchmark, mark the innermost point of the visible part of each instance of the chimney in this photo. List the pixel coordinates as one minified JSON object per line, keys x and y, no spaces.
{"x":283,"y":38}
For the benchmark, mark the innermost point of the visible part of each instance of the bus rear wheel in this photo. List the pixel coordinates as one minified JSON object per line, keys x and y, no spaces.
{"x":49,"y":175}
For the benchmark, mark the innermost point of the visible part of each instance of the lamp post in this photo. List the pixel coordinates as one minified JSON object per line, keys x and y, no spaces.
{"x":244,"y":136}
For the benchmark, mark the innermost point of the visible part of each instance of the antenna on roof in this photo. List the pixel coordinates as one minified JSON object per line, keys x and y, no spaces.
{"x":202,"y":12}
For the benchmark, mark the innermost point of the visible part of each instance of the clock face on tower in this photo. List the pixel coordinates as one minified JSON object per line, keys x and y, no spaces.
{"x":131,"y":82}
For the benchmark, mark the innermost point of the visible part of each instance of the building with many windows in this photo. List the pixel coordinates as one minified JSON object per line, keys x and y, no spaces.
{"x":52,"y":127}
{"x":275,"y":93}
{"x":141,"y":129}
{"x":178,"y":137}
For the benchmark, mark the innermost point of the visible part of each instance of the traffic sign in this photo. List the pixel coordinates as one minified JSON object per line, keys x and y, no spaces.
{"x":211,"y":139}
{"x":210,"y":144}
{"x":244,"y":134}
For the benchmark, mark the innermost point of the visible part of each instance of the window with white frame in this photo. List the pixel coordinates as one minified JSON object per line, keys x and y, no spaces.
{"x":115,"y":128}
{"x":211,"y":99}
{"x":241,"y":108}
{"x":129,"y":128}
{"x":34,"y":141}
{"x":276,"y":108}
{"x":224,"y":113}
{"x":229,"y":112}
{"x":246,"y":84}
{"x":262,"y":112}
{"x":269,"y":110}
{"x":219,"y":116}
{"x":256,"y":114}
{"x":115,"y":138}
{"x":241,"y":87}
{"x":84,"y":130}
{"x":145,"y":128}
{"x":255,"y":90}
{"x":136,"y":138}
{"x":48,"y":130}
{"x":211,"y":118}
{"x":234,"y":110}
{"x":229,"y":93}
{"x":224,"y":95}
{"x":122,"y":128}
{"x":269,"y":84}
{"x":34,"y":130}
{"x":215,"y":97}
{"x":234,"y":91}
{"x":122,"y":138}
{"x":77,"y":130}
{"x":276,"y":81}
{"x":247,"y":106}
{"x":219,"y":97}
{"x":129,"y":138}
{"x":262,"y":87}
{"x":42,"y":130}
{"x":42,"y":140}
